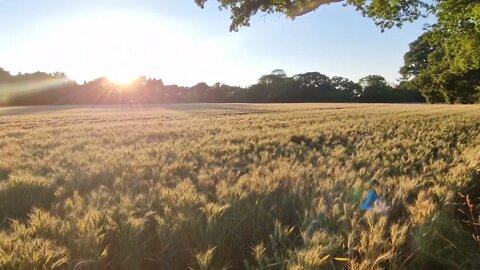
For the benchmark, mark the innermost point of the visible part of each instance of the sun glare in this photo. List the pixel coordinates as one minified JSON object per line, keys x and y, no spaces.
{"x":122,"y":79}
{"x":121,"y":44}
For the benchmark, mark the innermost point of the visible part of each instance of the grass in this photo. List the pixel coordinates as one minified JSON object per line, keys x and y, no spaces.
{"x":238,"y":187}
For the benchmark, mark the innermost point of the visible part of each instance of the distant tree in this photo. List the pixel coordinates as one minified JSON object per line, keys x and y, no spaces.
{"x":346,"y":90}
{"x":315,"y":86}
{"x":37,"y":88}
{"x":256,"y":93}
{"x":375,"y":81}
{"x":274,"y":87}
{"x":276,"y":77}
{"x":155,"y":86}
{"x":280,"y":73}
{"x":375,"y":89}
{"x":42,"y":76}
{"x":197,"y":92}
{"x":408,"y":93}
{"x":5,"y":76}
{"x":174,"y":93}
{"x":220,"y":92}
{"x":312,"y":80}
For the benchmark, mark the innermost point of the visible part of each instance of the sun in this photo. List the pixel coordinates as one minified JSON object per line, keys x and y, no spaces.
{"x":122,"y":79}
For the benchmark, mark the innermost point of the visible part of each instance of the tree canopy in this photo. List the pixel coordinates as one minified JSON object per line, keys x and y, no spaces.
{"x":444,"y":62}
{"x":386,"y":14}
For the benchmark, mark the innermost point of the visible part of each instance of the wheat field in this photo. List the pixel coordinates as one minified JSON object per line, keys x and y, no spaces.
{"x":239,"y":186}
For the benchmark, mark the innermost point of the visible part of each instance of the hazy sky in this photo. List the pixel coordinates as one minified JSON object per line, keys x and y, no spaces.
{"x":180,"y":43}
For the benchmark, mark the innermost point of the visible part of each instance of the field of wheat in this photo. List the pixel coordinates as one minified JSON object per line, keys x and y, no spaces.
{"x":239,"y":187}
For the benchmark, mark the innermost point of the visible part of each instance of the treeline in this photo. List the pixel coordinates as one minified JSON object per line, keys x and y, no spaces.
{"x":56,"y":89}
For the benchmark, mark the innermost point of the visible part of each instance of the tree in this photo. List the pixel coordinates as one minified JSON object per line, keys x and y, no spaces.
{"x":416,"y":59}
{"x":280,"y":73}
{"x":220,"y":92}
{"x":407,"y":93}
{"x":444,"y":63}
{"x":273,"y":87}
{"x":457,"y":37}
{"x":5,"y":76}
{"x":277,"y":76}
{"x":315,"y":86}
{"x":386,"y":14}
{"x":458,"y":31}
{"x":346,"y":89}
{"x":197,"y":92}
{"x":422,"y":65}
{"x":312,"y":80}
{"x":375,"y":89}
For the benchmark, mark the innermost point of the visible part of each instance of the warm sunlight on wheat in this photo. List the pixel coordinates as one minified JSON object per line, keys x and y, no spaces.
{"x":237,"y":186}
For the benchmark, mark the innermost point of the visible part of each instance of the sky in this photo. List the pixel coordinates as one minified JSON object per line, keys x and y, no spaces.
{"x":180,"y":43}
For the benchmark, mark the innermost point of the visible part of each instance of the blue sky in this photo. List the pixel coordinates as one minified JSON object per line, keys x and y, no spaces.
{"x":183,"y":44}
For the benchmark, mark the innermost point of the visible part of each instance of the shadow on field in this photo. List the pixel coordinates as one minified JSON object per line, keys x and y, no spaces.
{"x":248,"y":221}
{"x":20,"y":194}
{"x":237,"y":108}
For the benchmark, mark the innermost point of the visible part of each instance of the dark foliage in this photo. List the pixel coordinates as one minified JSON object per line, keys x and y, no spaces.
{"x":56,"y":89}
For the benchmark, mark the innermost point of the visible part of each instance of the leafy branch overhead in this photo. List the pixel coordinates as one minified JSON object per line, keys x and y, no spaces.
{"x":385,"y":14}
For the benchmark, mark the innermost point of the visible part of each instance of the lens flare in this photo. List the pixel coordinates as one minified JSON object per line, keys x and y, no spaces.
{"x":122,"y":78}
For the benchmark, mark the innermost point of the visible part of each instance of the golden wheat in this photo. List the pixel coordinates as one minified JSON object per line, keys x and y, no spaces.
{"x":237,"y":186}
